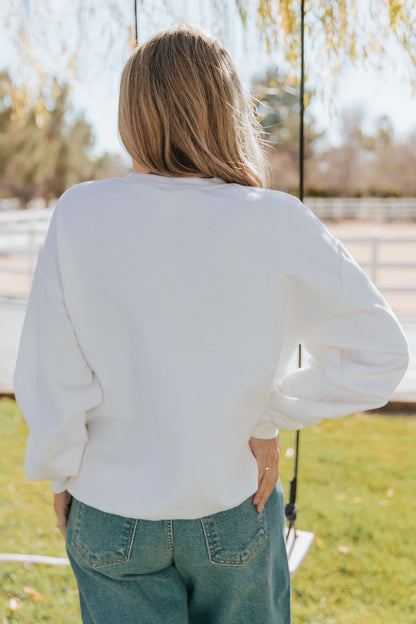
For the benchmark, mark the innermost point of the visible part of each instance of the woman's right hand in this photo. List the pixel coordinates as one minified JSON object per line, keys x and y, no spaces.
{"x":267,"y":454}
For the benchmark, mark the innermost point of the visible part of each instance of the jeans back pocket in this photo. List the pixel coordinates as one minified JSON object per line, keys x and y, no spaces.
{"x":101,"y":538}
{"x":235,"y":535}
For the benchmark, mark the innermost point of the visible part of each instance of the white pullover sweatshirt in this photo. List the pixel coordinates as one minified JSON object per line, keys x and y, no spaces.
{"x":162,"y":318}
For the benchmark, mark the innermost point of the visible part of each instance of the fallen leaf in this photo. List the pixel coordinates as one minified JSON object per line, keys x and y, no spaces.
{"x":390,"y":493}
{"x":343,"y":549}
{"x":36,"y":596}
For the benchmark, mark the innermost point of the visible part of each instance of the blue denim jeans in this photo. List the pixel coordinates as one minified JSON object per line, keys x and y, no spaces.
{"x":226,"y":568}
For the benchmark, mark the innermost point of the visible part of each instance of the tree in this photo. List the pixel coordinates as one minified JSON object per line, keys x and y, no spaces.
{"x":366,"y":163}
{"x":393,"y":171}
{"x":337,"y":30}
{"x":45,"y":160}
{"x":277,"y":108}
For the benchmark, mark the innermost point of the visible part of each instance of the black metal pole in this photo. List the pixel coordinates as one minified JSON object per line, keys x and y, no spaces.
{"x":136,"y":32}
{"x":301,"y":182}
{"x":290,"y":508}
{"x":301,"y":169}
{"x":302,"y":99}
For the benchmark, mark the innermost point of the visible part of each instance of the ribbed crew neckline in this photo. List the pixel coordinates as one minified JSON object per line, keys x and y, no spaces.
{"x":161,"y":179}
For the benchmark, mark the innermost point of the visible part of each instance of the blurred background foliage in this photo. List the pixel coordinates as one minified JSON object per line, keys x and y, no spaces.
{"x":45,"y":146}
{"x":43,"y":160}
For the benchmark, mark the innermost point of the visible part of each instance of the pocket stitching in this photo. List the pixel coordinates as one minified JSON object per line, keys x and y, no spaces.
{"x":211,"y":544}
{"x":93,"y":564}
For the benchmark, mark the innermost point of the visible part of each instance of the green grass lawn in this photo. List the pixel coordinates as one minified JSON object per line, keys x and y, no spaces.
{"x":356,"y":493}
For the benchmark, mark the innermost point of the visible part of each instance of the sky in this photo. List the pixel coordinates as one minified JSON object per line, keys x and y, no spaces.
{"x":95,"y":93}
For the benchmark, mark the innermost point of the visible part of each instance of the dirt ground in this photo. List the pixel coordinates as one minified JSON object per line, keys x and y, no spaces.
{"x":403,"y":303}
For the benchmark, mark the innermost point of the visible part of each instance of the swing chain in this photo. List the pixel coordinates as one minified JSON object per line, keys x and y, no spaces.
{"x":291,"y":509}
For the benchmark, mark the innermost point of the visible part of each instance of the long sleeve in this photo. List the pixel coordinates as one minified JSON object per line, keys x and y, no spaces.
{"x":354,"y":350}
{"x":54,"y":385}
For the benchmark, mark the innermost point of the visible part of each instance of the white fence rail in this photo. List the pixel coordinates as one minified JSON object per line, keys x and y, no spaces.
{"x":23,"y":231}
{"x":22,"y":234}
{"x":363,"y":209}
{"x":374,"y":244}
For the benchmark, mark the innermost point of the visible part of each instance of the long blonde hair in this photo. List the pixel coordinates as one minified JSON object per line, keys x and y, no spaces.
{"x":183,"y":112}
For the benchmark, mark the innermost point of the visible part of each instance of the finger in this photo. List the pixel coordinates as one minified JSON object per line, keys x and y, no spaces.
{"x":268,"y":481}
{"x":61,"y":521}
{"x":61,"y":524}
{"x":266,"y":486}
{"x":263,"y":497}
